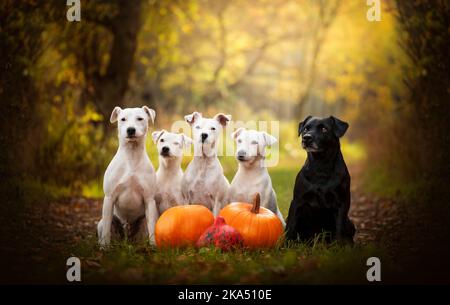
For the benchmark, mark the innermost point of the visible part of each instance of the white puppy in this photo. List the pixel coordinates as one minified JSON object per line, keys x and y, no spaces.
{"x":252,"y":176}
{"x":169,"y":174}
{"x":204,"y":182}
{"x":129,"y":183}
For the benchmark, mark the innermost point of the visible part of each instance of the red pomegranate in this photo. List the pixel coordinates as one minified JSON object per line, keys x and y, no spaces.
{"x":220,"y":235}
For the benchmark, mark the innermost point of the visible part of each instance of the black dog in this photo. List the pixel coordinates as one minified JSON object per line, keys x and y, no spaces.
{"x":322,"y":187}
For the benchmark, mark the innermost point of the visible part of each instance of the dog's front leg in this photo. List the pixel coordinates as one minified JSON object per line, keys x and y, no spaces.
{"x":151,"y":216}
{"x":340,"y":216}
{"x":217,"y":206}
{"x":293,"y":219}
{"x":104,"y":238}
{"x":219,"y":200}
{"x":186,"y":193}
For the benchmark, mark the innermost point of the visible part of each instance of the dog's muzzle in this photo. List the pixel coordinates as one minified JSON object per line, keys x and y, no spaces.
{"x":204,"y":137}
{"x":131,"y":132}
{"x":165,"y":151}
{"x":307,"y":139}
{"x":241,"y":155}
{"x":308,"y":143}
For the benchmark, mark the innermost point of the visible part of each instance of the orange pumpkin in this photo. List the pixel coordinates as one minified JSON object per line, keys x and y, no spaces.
{"x":259,"y":226}
{"x":182,"y":225}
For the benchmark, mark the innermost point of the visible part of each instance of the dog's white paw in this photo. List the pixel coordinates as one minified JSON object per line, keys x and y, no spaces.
{"x":104,"y":242}
{"x":152,"y":240}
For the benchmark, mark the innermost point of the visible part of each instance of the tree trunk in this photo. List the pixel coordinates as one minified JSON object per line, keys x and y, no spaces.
{"x":110,"y":88}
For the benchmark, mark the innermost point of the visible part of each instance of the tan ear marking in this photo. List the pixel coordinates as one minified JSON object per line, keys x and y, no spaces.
{"x":223,"y":119}
{"x":193,"y":117}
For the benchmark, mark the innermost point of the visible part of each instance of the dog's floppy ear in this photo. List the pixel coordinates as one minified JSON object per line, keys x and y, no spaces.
{"x":150,"y":112}
{"x":193,"y":117}
{"x":268,"y":139}
{"x":302,"y":124}
{"x":223,"y":119}
{"x":115,"y":114}
{"x":185,"y":140}
{"x":237,"y":132}
{"x":156,"y":135}
{"x":339,"y":127}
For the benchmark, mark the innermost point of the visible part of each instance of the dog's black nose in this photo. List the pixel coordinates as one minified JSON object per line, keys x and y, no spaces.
{"x":165,"y":150}
{"x":204,"y":136}
{"x":307,"y":138}
{"x":241,"y":155}
{"x":131,"y":131}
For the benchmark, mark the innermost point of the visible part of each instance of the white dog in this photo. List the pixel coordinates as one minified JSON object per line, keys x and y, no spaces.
{"x":252,"y":176}
{"x":204,"y":182}
{"x":129,"y":182}
{"x":169,"y":174}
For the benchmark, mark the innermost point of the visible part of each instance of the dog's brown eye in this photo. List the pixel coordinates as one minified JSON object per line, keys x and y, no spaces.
{"x":306,"y":128}
{"x":324,"y":129}
{"x":139,"y":119}
{"x":162,"y":140}
{"x":123,"y":119}
{"x":213,"y":128}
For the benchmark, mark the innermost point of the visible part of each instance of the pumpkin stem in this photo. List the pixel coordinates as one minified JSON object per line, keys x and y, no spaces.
{"x":256,"y":203}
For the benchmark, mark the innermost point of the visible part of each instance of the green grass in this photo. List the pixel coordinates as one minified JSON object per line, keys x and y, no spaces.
{"x":295,"y":264}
